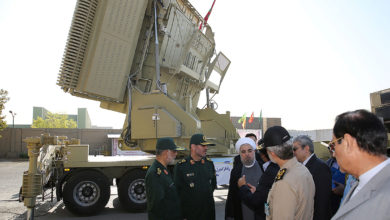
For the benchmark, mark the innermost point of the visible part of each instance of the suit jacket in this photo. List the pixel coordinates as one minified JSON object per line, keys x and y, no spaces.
{"x":323,"y":182}
{"x":371,"y":202}
{"x":256,"y":200}
{"x":233,"y":202}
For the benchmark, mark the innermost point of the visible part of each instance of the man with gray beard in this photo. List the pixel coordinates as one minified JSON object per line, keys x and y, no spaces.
{"x":163,"y":200}
{"x":249,"y":165}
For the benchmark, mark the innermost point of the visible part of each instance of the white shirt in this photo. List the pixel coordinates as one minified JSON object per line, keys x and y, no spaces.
{"x":367,"y":176}
{"x":307,"y":159}
{"x":265,"y":165}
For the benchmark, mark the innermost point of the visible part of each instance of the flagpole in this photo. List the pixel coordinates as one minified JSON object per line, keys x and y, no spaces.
{"x":261,"y":123}
{"x":206,"y":18}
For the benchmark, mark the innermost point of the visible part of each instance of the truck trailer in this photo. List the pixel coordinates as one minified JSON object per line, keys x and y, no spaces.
{"x":150,"y":60}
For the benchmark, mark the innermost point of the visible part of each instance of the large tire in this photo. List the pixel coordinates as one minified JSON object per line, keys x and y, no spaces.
{"x":132,"y":192}
{"x":86,"y":192}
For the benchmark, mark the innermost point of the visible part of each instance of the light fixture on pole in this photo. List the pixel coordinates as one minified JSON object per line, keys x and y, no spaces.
{"x":13,"y":118}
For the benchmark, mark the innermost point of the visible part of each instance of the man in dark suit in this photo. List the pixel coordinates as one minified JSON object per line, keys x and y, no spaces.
{"x":303,"y":148}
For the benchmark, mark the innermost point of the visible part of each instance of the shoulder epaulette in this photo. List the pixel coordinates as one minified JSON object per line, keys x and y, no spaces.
{"x":280,"y":174}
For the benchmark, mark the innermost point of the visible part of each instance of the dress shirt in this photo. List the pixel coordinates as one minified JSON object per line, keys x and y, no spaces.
{"x":265,"y":165}
{"x":365,"y":177}
{"x":307,"y":159}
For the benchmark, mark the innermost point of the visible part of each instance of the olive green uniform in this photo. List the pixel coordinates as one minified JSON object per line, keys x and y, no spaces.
{"x":196,"y":182}
{"x":163,"y":201}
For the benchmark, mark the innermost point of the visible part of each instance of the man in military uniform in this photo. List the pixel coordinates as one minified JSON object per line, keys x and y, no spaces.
{"x":195,"y":180}
{"x":162,"y":198}
{"x":292,"y":193}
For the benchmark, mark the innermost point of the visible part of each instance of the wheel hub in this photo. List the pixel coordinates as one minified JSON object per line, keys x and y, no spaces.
{"x":86,"y":193}
{"x":137,"y":191}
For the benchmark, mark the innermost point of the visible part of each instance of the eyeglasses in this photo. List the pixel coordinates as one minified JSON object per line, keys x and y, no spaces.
{"x":332,"y":144}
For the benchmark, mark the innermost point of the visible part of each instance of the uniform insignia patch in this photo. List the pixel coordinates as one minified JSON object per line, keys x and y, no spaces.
{"x":192,"y":162}
{"x":202,"y":161}
{"x":183,"y":161}
{"x":192,"y":185}
{"x":280,"y":174}
{"x":166,"y":172}
{"x":190,"y":174}
{"x":208,"y":159}
{"x":158,"y":171}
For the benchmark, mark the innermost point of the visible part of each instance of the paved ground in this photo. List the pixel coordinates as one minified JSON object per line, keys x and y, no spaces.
{"x":11,"y":180}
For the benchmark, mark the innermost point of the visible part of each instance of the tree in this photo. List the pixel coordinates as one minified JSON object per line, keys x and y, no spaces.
{"x":3,"y":99}
{"x":54,"y":120}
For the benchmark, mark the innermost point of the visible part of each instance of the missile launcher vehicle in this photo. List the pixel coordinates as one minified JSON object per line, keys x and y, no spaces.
{"x":151,"y":60}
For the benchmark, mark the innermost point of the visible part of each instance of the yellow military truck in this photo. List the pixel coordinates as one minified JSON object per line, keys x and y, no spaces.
{"x":150,"y":60}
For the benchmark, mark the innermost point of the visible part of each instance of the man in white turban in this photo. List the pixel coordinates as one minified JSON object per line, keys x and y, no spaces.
{"x":247,"y":164}
{"x":246,"y":147}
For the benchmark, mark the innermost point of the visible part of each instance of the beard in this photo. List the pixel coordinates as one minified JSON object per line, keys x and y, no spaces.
{"x":171,"y":160}
{"x":247,"y":161}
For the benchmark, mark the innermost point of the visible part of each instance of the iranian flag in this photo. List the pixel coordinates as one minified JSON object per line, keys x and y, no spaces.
{"x":251,"y":118}
{"x":206,"y":18}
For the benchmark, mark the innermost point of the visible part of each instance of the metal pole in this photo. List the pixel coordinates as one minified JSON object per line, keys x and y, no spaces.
{"x":13,"y":118}
{"x":208,"y":97}
{"x":156,"y":47}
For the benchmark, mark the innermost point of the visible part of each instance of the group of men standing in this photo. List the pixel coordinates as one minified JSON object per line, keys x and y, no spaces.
{"x":189,"y":194}
{"x":283,"y":190}
{"x":282,"y":180}
{"x":302,"y":187}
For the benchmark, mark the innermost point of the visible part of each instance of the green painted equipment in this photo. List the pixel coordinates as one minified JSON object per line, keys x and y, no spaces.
{"x":150,"y":61}
{"x":143,"y":58}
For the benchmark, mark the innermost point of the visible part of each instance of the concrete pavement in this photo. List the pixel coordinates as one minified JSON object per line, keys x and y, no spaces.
{"x":11,"y":179}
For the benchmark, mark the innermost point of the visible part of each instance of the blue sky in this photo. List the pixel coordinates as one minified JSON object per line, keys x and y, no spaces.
{"x":303,"y":61}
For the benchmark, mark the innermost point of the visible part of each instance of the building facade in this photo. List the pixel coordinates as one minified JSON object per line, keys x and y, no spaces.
{"x":82,"y":118}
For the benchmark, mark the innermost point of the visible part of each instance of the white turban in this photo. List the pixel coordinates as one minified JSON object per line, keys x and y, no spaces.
{"x":245,"y":140}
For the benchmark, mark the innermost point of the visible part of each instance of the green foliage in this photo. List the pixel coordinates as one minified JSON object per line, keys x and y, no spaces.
{"x":54,"y":120}
{"x":3,"y":99}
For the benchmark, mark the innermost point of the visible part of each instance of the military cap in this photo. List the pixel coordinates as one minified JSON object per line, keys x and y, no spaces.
{"x":200,"y":139}
{"x":166,"y":143}
{"x":274,"y":136}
